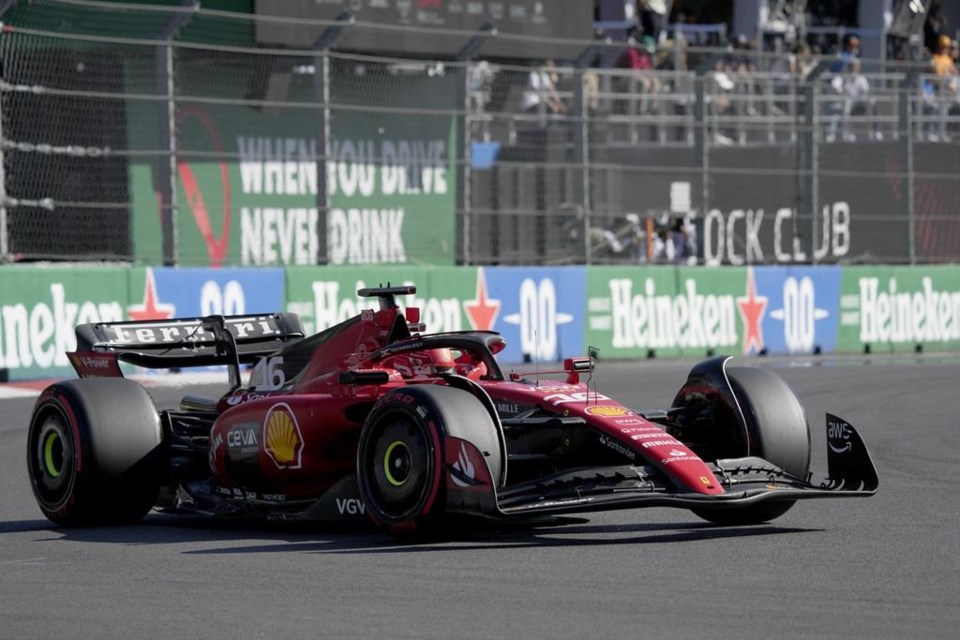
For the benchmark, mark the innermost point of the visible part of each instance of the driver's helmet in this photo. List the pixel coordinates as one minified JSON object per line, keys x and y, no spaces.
{"x":443,"y":360}
{"x":424,"y":363}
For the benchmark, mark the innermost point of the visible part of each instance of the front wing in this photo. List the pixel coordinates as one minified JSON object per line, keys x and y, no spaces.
{"x":748,"y":480}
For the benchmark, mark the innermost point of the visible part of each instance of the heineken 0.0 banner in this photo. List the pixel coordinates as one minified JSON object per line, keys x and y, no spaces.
{"x":546,"y":314}
{"x":671,"y":311}
{"x":900,"y":308}
{"x":40,"y":307}
{"x":247,"y":172}
{"x":538,"y":310}
{"x":159,"y":293}
{"x":325,"y":296}
{"x":692,"y":311}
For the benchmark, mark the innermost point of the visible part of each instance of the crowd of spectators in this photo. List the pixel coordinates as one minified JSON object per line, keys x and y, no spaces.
{"x":638,"y":80}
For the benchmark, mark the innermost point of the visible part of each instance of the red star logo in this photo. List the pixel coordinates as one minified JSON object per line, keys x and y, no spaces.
{"x":752,"y":308}
{"x":151,"y":308}
{"x":481,"y":310}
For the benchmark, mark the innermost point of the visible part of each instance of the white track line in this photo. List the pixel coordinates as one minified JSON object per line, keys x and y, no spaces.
{"x":158,"y":381}
{"x":8,"y":392}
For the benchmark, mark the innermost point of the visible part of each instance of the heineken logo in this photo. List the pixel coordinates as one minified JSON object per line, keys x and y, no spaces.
{"x":333,"y":303}
{"x":648,"y":319}
{"x":889,"y":314}
{"x":40,"y":334}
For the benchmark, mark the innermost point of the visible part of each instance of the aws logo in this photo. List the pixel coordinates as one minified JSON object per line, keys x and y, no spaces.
{"x":282,"y":439}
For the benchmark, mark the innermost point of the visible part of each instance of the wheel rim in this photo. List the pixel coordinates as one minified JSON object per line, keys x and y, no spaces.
{"x":53,"y":454}
{"x":396,"y":463}
{"x":399,"y":466}
{"x":52,"y":463}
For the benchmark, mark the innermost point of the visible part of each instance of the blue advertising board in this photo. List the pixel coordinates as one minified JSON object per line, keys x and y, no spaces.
{"x":163,"y":293}
{"x":802,"y":308}
{"x":542,"y":311}
{"x":198,"y":291}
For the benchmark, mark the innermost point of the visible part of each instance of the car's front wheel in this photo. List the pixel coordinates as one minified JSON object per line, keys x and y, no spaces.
{"x":777,"y":431}
{"x":400,"y":457}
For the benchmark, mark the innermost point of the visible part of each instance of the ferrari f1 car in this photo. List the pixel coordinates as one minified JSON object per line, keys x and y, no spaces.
{"x":376,"y":418}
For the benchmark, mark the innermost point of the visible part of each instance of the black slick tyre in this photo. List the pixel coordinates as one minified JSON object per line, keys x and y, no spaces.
{"x":400,"y":462}
{"x":93,"y":451}
{"x":777,"y":431}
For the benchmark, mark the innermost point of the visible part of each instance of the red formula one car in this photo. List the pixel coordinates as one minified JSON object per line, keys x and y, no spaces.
{"x":374,"y":418}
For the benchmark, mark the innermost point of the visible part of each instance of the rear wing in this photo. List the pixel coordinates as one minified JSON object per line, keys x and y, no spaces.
{"x":184,"y":342}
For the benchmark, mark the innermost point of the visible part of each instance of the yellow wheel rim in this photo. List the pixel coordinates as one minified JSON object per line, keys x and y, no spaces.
{"x":49,"y":442}
{"x":386,"y":463}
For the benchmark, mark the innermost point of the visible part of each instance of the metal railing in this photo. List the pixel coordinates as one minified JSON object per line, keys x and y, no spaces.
{"x":180,"y":139}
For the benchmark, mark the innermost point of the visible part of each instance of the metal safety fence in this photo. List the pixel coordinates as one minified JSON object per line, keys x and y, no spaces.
{"x":180,"y":135}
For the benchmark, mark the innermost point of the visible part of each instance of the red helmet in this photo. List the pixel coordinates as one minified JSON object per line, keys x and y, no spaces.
{"x":423,"y":363}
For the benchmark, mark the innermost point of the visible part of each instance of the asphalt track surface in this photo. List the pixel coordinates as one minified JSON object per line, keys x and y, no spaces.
{"x":883,"y":567}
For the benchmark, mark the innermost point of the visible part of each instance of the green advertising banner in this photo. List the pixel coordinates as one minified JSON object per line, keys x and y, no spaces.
{"x":446,"y":296}
{"x":247,"y":175}
{"x":668,"y":311}
{"x":41,"y":306}
{"x":898,"y":308}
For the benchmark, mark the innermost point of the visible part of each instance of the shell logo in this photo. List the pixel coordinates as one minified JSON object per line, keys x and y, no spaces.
{"x":282,"y":439}
{"x":607,"y":412}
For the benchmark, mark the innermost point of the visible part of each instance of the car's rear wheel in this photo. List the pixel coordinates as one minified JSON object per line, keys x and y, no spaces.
{"x":92,"y":452}
{"x":777,"y":431}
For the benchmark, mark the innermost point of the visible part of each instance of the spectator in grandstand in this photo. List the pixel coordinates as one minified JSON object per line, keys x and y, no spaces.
{"x":641,"y":80}
{"x":738,"y":60}
{"x":683,"y":241}
{"x":802,"y":60}
{"x":853,"y":91}
{"x":721,"y":100}
{"x":941,"y":93}
{"x":481,"y":84}
{"x":672,"y":241}
{"x":850,"y":53}
{"x":732,"y":88}
{"x":540,"y":95}
{"x":942,"y":62}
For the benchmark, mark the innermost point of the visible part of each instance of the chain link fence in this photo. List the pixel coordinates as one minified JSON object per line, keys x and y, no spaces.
{"x":174,"y":135}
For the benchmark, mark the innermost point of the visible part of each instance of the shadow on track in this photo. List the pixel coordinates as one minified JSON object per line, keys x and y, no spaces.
{"x":362,"y":538}
{"x":486,"y":537}
{"x":661,"y":533}
{"x":20,"y":526}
